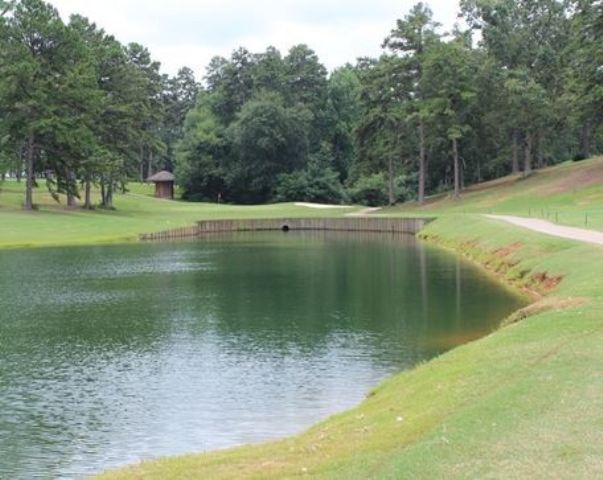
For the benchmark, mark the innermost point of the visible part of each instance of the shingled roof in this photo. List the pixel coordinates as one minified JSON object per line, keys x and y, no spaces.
{"x":163,"y":176}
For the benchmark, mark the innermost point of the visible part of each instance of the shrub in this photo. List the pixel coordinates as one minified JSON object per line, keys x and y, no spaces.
{"x":313,"y":184}
{"x":370,"y":190}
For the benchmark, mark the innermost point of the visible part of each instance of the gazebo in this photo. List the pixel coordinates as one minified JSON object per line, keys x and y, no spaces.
{"x":164,"y":184}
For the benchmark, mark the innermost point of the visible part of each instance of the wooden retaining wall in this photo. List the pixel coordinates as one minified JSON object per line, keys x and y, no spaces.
{"x":350,"y":224}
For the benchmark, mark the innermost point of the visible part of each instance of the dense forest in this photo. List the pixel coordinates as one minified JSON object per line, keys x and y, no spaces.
{"x":518,"y":87}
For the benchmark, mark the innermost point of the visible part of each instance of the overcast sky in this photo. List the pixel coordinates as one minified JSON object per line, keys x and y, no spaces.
{"x":191,"y":32}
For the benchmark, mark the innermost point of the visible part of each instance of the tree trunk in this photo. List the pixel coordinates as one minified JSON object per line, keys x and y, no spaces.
{"x":515,"y":149}
{"x":539,"y":150}
{"x":87,"y":194}
{"x":586,"y":138}
{"x":142,"y":177}
{"x":103,"y":192}
{"x":19,"y":172}
{"x":462,"y":174}
{"x":29,"y":171}
{"x":71,"y":203}
{"x":527,"y":161}
{"x":150,"y":167}
{"x":479,"y":170}
{"x":457,"y":176}
{"x":109,"y":196}
{"x":391,"y":173}
{"x":422,"y":173}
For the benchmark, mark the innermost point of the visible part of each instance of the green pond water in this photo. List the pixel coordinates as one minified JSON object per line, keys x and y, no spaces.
{"x":110,"y":355}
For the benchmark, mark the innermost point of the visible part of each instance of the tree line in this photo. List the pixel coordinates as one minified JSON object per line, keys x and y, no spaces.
{"x":518,"y":87}
{"x":78,"y":108}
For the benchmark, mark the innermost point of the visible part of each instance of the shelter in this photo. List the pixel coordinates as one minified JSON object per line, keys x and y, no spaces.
{"x":164,"y":184}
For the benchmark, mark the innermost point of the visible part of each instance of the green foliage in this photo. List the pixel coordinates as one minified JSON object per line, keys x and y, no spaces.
{"x":81,"y":109}
{"x":315,"y":183}
{"x":267,"y":139}
{"x":275,"y":115}
{"x":370,"y":190}
{"x":198,"y":157}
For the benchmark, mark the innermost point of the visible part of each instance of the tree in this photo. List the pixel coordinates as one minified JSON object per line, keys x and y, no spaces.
{"x":231,"y":83}
{"x":43,"y":75}
{"x":200,"y":154}
{"x":529,"y":104}
{"x":115,"y":113}
{"x":584,"y":93}
{"x":412,"y":38}
{"x":343,"y":110}
{"x":386,"y":95}
{"x":178,"y":98}
{"x":306,"y":84}
{"x":148,"y":86}
{"x":450,"y":71}
{"x":267,"y":139}
{"x":526,"y":37}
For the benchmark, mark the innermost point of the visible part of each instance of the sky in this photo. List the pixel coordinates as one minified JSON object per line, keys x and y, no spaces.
{"x":190,"y":32}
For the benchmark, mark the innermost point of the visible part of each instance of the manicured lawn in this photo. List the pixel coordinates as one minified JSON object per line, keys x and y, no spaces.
{"x":570,"y":193}
{"x":136,"y":212}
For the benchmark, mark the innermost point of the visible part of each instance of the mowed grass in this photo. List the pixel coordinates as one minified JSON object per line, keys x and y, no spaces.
{"x":524,"y":402}
{"x":569,"y":194}
{"x":136,"y":212}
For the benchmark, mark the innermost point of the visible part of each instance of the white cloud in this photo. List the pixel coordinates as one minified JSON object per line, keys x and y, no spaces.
{"x":191,"y":32}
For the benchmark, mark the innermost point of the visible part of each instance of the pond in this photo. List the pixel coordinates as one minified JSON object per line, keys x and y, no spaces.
{"x":113,"y":354}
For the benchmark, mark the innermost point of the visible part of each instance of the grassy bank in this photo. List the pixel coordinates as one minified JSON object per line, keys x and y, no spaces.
{"x":524,"y":402}
{"x":136,"y":212}
{"x":570,"y":194}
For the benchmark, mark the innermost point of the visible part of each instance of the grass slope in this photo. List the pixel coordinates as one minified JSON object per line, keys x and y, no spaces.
{"x":570,"y":194}
{"x":524,"y":402}
{"x":136,"y":212}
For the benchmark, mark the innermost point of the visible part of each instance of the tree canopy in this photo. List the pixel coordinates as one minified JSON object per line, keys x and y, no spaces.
{"x":518,"y":88}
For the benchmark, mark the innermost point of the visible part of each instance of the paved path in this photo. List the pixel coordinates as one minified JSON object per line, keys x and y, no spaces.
{"x":542,"y":226}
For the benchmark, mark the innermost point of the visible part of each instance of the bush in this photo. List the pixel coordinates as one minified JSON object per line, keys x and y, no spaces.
{"x":313,"y":184}
{"x":406,"y":187}
{"x":580,"y":156}
{"x":370,"y":190}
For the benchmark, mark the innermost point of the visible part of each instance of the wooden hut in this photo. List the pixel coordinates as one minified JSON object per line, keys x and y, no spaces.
{"x":164,"y":184}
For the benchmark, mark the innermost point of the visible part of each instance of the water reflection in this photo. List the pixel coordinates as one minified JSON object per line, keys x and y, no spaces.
{"x":111,"y":355}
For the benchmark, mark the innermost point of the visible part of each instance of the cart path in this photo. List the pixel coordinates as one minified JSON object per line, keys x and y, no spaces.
{"x":542,"y":226}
